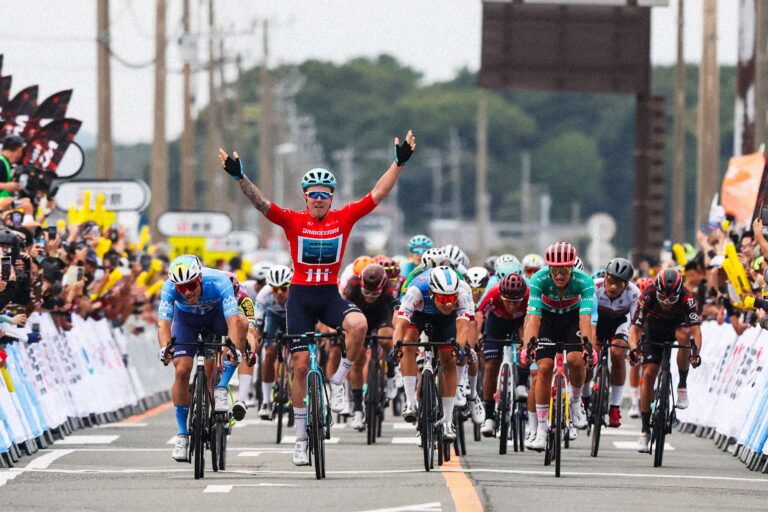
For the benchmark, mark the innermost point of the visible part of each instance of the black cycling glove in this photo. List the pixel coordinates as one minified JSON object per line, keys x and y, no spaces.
{"x":402,"y":153}
{"x":234,"y":167}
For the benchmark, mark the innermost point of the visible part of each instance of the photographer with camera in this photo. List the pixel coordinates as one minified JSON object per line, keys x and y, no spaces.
{"x":13,"y":149}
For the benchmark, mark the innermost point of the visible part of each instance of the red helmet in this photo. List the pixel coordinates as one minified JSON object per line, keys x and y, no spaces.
{"x":233,"y":279}
{"x":643,"y":283}
{"x":560,"y":254}
{"x":380,"y":259}
{"x":513,"y":287}
{"x":392,"y":268}
{"x":669,"y":282}
{"x":374,"y":277}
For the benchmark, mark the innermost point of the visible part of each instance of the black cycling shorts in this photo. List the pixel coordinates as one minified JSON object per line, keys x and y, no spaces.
{"x":499,"y":328}
{"x":309,"y":304}
{"x":658,"y":331}
{"x":558,"y":329}
{"x":443,"y":326}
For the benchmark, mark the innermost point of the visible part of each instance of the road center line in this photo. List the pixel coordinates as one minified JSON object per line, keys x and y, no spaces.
{"x":462,"y":490}
{"x":148,"y":414}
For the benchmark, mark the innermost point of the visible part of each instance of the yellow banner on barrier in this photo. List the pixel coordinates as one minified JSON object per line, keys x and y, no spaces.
{"x":187,"y":245}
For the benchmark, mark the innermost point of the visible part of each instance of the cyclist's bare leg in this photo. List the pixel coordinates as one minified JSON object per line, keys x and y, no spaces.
{"x":490,"y":377}
{"x":682,"y":335}
{"x":650,"y":372}
{"x":356,"y":379}
{"x":634,"y":385}
{"x":408,"y":365}
{"x":300,"y":362}
{"x":543,"y":390}
{"x":576,"y":369}
{"x":618,"y":373}
{"x":180,"y":389}
{"x":448,"y":393}
{"x":355,"y":328}
{"x":268,"y":372}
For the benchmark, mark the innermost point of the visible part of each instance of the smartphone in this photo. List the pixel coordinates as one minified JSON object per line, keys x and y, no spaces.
{"x":74,"y":274}
{"x":5,"y":267}
{"x":40,"y":241}
{"x":52,"y":232}
{"x":35,"y":327}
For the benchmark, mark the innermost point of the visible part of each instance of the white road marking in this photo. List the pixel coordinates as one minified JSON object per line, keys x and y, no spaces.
{"x":218,"y":488}
{"x":123,"y":425}
{"x":419,"y":507}
{"x":292,"y":439}
{"x":404,"y":426}
{"x":43,"y":461}
{"x":8,"y":475}
{"x":619,"y":432}
{"x":227,"y":488}
{"x":405,"y":440}
{"x":87,"y":440}
{"x":249,"y":454}
{"x":631,"y":445}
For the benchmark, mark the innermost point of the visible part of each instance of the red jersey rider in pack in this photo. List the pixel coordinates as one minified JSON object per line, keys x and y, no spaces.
{"x":666,"y":313}
{"x":317,"y":237}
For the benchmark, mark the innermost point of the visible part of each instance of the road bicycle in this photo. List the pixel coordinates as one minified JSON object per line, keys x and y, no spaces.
{"x":375,"y":398}
{"x":599,"y":406}
{"x":511,"y":410}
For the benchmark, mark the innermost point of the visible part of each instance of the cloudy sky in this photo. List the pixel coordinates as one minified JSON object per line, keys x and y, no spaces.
{"x":53,"y":45}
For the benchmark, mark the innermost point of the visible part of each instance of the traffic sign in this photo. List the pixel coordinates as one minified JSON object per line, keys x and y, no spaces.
{"x":236,"y":241}
{"x":120,"y":196}
{"x":207,"y":224}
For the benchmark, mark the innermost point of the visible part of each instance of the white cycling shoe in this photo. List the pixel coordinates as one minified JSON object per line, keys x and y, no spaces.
{"x":634,"y":411}
{"x":578,"y":415}
{"x":572,"y":432}
{"x":220,"y":400}
{"x":265,"y":411}
{"x":390,"y":389}
{"x":461,"y":398}
{"x":477,"y":410}
{"x":489,"y":427}
{"x":181,"y":448}
{"x":529,"y":437}
{"x":449,"y":433}
{"x":301,"y":453}
{"x":682,"y":398}
{"x":521,"y":391}
{"x":644,"y":443}
{"x":410,"y":412}
{"x":338,"y":397}
{"x":239,"y":410}
{"x":358,"y":421}
{"x":539,"y":441}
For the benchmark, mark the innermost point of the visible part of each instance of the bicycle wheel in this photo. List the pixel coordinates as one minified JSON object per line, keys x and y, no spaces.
{"x":199,"y":423}
{"x":519,"y":419}
{"x":458,"y":445}
{"x":659,"y":429}
{"x":598,"y":408}
{"x":504,"y":411}
{"x":558,"y":423}
{"x":223,"y":451}
{"x":218,"y":439}
{"x":315,"y":416}
{"x":280,"y":398}
{"x":426,"y":421}
{"x":371,"y":401}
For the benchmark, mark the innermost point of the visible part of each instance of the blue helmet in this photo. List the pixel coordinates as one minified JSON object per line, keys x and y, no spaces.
{"x":419,"y":243}
{"x":318,"y":176}
{"x":510,"y":267}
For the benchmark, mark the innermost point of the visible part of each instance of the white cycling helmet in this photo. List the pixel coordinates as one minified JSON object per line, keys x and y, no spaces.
{"x":185,"y":268}
{"x":533,"y":261}
{"x":443,"y":280}
{"x":503,"y":260}
{"x":578,"y":263}
{"x":434,"y":257}
{"x":279,"y":275}
{"x":261,"y":269}
{"x":477,"y":277}
{"x":318,"y":176}
{"x":456,"y":256}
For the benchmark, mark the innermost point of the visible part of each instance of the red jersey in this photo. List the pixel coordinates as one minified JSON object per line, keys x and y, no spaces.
{"x":492,"y":303}
{"x":317,"y":247}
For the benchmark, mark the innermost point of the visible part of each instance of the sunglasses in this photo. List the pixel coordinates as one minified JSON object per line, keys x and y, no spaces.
{"x":615,"y":281}
{"x":187,"y":287}
{"x":512,"y":300}
{"x":667,"y":299}
{"x":283,"y":289}
{"x":370,"y":293}
{"x":560,"y":271}
{"x":445,"y":300}
{"x":316,"y":194}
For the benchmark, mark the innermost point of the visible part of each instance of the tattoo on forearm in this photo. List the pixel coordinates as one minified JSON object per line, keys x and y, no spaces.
{"x":253,"y":193}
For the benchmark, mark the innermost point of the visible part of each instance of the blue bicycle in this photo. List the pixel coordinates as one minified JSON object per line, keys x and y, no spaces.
{"x":316,"y":400}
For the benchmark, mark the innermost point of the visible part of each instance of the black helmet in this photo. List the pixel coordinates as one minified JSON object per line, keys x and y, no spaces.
{"x":13,"y":142}
{"x":669,"y":282}
{"x":620,"y":268}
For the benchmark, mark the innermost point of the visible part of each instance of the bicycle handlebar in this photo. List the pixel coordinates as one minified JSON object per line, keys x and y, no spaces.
{"x":398,"y":348}
{"x":310,"y":337}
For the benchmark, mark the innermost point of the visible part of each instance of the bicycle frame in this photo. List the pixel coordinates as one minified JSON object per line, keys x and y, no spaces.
{"x":559,"y":371}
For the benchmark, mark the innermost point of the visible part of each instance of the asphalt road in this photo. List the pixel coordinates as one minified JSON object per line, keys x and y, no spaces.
{"x":127,"y":466}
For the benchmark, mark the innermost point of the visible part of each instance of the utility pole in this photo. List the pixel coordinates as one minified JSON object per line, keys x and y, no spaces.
{"x":159,"y":165}
{"x":454,"y":153}
{"x":214,"y":191}
{"x":187,"y":171}
{"x":481,"y":207}
{"x":708,"y":152}
{"x":435,"y":163}
{"x":525,"y":190}
{"x":761,"y":74}
{"x":266,"y":136}
{"x":678,"y":173}
{"x":105,"y":158}
{"x":239,"y":140}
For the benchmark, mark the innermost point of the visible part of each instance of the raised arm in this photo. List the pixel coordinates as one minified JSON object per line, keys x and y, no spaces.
{"x":387,"y":182}
{"x":234,"y":168}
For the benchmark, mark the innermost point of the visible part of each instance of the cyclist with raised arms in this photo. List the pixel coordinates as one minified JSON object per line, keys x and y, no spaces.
{"x":559,"y":311}
{"x":666,"y":312}
{"x":612,"y":311}
{"x":434,"y":297}
{"x":270,"y":317}
{"x":196,"y":297}
{"x":317,"y":237}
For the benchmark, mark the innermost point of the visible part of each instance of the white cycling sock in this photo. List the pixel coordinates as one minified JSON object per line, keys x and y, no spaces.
{"x":472,"y":387}
{"x":616,"y":392}
{"x":341,"y":373}
{"x":463,"y":374}
{"x":244,"y":387}
{"x":635,"y":393}
{"x":300,"y":422}
{"x":448,"y":402}
{"x":266,"y":392}
{"x":533,"y":422}
{"x":575,"y":393}
{"x":542,"y":415}
{"x":409,"y":384}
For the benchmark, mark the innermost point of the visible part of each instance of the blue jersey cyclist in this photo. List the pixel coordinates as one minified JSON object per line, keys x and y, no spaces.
{"x":417,"y":245}
{"x":195,"y":298}
{"x":317,"y":237}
